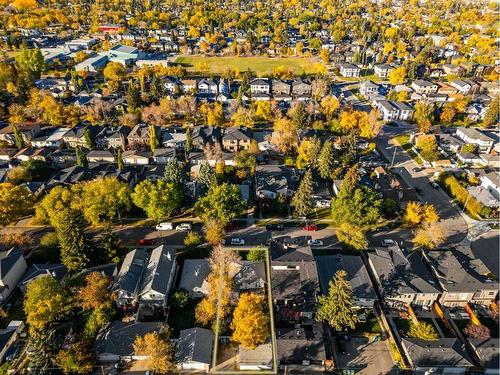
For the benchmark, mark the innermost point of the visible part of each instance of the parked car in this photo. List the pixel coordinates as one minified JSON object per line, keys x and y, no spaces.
{"x":183,"y":226}
{"x":237,"y":241}
{"x":434,"y":184}
{"x":388,"y":242}
{"x":315,"y":243}
{"x":311,"y":227}
{"x":165,"y":226}
{"x":274,"y":227}
{"x":146,"y":242}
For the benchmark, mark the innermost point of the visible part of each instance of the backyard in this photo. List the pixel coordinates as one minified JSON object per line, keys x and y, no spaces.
{"x":261,"y":65}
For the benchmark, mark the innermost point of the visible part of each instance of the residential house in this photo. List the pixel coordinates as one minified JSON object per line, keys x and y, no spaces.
{"x":146,"y":279}
{"x":194,"y":277}
{"x":112,"y":137}
{"x":70,"y":176}
{"x":100,"y":156}
{"x":446,"y":89}
{"x":441,"y":356}
{"x":463,"y":278}
{"x":491,"y":182}
{"x":171,"y":85}
{"x":28,"y":153}
{"x":203,"y":135}
{"x":257,"y":359}
{"x":140,"y":136}
{"x":357,"y":276}
{"x":383,"y":70}
{"x":28,"y":131}
{"x":476,"y":112}
{"x":12,"y":268}
{"x":163,"y":155}
{"x":487,"y":351}
{"x":273,"y":181}
{"x":465,"y":87}
{"x":193,"y":350}
{"x":301,"y":348}
{"x":424,"y":87}
{"x":49,"y":137}
{"x":260,"y":86}
{"x":9,"y":336}
{"x":37,"y":270}
{"x":402,"y":277}
{"x":136,"y":157}
{"x":390,"y":187}
{"x":79,"y":44}
{"x":63,"y":158}
{"x":449,"y":142}
{"x":188,"y":86}
{"x":236,"y":138}
{"x":208,"y":86}
{"x":301,"y":88}
{"x":173,"y":138}
{"x":281,"y":88}
{"x":483,"y":196}
{"x":349,"y":70}
{"x":368,"y":88}
{"x":454,"y":70}
{"x":115,"y":342}
{"x":476,"y":137}
{"x":92,"y":65}
{"x":75,"y":137}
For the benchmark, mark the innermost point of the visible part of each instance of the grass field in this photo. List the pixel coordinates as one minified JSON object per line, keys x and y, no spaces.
{"x":261,"y":65}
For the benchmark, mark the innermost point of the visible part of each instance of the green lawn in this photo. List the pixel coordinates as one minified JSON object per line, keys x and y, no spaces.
{"x":261,"y":65}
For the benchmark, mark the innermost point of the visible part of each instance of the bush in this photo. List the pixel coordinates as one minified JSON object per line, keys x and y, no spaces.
{"x":192,"y":239}
{"x":423,"y":330}
{"x":257,"y":254}
{"x":49,"y":241}
{"x":479,"y":331}
{"x":180,"y":298}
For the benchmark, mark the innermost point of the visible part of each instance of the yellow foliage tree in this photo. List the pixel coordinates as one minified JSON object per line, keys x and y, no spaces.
{"x":157,"y":349}
{"x":284,"y":136}
{"x":250,"y":323}
{"x":397,"y":76}
{"x":429,"y":236}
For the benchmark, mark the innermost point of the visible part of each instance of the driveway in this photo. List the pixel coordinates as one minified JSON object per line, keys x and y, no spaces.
{"x":455,"y":225}
{"x":366,"y":358}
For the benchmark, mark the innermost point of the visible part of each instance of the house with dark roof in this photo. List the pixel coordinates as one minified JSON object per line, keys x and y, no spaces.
{"x":139,"y":136}
{"x":193,"y":350}
{"x":441,"y":356}
{"x":487,"y":352}
{"x":12,"y":268}
{"x":8,"y":337}
{"x":203,"y":135}
{"x":236,"y":138}
{"x":402,"y":277}
{"x":28,"y":131}
{"x":75,"y":136}
{"x":357,"y":276}
{"x":112,"y":137}
{"x":115,"y":343}
{"x":39,"y":270}
{"x":275,"y":180}
{"x":301,"y":347}
{"x":194,"y":277}
{"x":463,"y":278}
{"x":129,"y":277}
{"x":100,"y":156}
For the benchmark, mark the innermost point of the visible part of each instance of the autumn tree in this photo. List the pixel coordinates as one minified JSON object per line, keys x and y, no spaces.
{"x":114,"y":73}
{"x":222,"y":203}
{"x":15,"y":202}
{"x":352,"y":235}
{"x":158,"y":199}
{"x":492,"y":115}
{"x":284,"y":137}
{"x":301,"y":200}
{"x":424,"y":115}
{"x":250,"y":322}
{"x":257,"y":254}
{"x":308,"y":152}
{"x":76,"y":359}
{"x":336,"y":308}
{"x":477,"y":331}
{"x":417,"y":213}
{"x":329,"y":106}
{"x":214,"y":232}
{"x":45,"y":302}
{"x":156,"y":348}
{"x":429,"y":235}
{"x":423,"y":330}
{"x":397,"y":76}
{"x":96,"y":293}
{"x":31,"y":61}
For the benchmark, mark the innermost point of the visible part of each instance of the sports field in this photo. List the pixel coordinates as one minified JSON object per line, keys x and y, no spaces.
{"x":261,"y":65}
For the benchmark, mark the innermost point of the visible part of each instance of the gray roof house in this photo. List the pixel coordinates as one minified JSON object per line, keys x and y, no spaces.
{"x":463,"y":278}
{"x":403,"y":278}
{"x":488,"y":353}
{"x":115,"y":342}
{"x":129,"y":276}
{"x":357,"y":275}
{"x":272,"y":180}
{"x":301,"y":345}
{"x":41,"y":269}
{"x":438,"y":356}
{"x":194,"y":349}
{"x":12,"y":268}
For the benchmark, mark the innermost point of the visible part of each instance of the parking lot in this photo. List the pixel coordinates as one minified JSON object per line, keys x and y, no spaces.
{"x":366,"y":358}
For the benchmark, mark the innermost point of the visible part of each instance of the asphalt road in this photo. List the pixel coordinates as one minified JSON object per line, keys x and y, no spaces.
{"x":487,"y":248}
{"x":454,"y":224}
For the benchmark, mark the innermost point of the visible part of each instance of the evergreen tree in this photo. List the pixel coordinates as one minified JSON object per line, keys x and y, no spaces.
{"x":133,"y":97}
{"x":156,"y":89}
{"x":326,"y":162}
{"x":189,"y":140}
{"x":81,"y":159}
{"x":206,"y":178}
{"x":301,"y":201}
{"x":174,"y":172}
{"x":119,"y":159}
{"x":153,"y":139}
{"x":43,"y":345}
{"x":89,"y":139}
{"x":337,"y":307}
{"x":73,"y":241}
{"x":111,"y":244}
{"x":18,"y":138}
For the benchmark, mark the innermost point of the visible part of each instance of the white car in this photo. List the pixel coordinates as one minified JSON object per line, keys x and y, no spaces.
{"x":237,"y":241}
{"x":183,"y":226}
{"x":165,"y":226}
{"x":314,"y":243}
{"x":388,"y":242}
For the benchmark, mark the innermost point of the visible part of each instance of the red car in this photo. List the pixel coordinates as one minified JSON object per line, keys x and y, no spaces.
{"x":146,"y":241}
{"x":310,"y":227}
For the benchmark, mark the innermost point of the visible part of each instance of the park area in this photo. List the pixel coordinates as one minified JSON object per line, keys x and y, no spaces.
{"x":261,"y":65}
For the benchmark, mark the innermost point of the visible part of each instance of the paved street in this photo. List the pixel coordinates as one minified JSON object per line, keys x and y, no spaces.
{"x":455,"y":225}
{"x":487,"y":248}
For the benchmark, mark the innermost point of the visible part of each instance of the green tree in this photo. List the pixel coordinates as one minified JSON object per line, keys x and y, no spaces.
{"x":353,"y":236}
{"x":180,"y":298}
{"x":423,"y":330}
{"x":257,"y":254}
{"x":189,"y":140}
{"x":133,"y":97}
{"x":153,"y":138}
{"x":301,"y":200}
{"x":336,"y":308}
{"x":206,"y":178}
{"x":31,"y":62}
{"x":45,"y":302}
{"x":111,"y":244}
{"x":222,"y":202}
{"x":326,"y":161}
{"x":158,"y":199}
{"x":192,"y":239}
{"x":89,"y":139}
{"x":75,"y":249}
{"x":18,"y":138}
{"x":119,"y":159}
{"x":43,"y":346}
{"x":81,"y":158}
{"x":174,"y":173}
{"x":15,"y":202}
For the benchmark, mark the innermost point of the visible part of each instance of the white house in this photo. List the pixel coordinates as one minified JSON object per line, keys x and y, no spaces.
{"x":260,"y":86}
{"x":383,"y":70}
{"x":194,"y":349}
{"x":476,"y":137}
{"x":12,"y":268}
{"x":424,"y":87}
{"x":349,"y":70}
{"x":491,"y":182}
{"x":93,"y":64}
